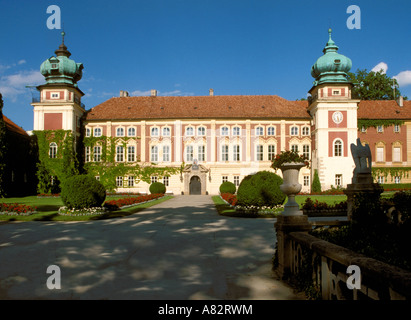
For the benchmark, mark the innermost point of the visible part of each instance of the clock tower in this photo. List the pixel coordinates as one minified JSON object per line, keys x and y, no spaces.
{"x":334,"y":118}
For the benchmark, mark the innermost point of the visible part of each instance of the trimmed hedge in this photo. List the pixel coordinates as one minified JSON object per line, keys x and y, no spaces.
{"x":227,"y":187}
{"x":82,"y":191}
{"x":261,"y":189}
{"x":157,"y":187}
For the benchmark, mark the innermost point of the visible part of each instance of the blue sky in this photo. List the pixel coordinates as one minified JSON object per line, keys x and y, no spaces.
{"x":185,"y":47}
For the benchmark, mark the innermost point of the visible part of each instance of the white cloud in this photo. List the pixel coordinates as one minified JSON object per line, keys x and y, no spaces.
{"x":381,"y":66}
{"x":139,"y":93}
{"x":15,"y":84}
{"x":22,"y":61}
{"x":403,"y":78}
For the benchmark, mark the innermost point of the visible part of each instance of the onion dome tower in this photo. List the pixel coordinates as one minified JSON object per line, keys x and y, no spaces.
{"x":334,"y":117}
{"x":59,"y":107}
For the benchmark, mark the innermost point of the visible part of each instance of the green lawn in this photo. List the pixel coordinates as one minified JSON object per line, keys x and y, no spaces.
{"x":47,"y":210}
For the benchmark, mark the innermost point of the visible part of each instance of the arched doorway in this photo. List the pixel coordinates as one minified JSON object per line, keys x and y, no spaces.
{"x":195,"y":185}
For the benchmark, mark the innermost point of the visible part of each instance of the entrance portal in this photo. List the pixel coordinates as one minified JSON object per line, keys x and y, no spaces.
{"x":195,"y":185}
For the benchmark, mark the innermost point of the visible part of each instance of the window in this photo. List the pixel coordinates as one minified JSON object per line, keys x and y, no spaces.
{"x":131,"y":132}
{"x":260,"y":153}
{"x":306,"y":181}
{"x":236,"y":152}
{"x":224,"y":152}
{"x":306,"y":151}
{"x":236,"y":181}
{"x":336,"y":92}
{"x":189,"y":131}
{"x":154,"y":154}
{"x":236,"y":131}
{"x":120,"y":132}
{"x":201,"y":153}
{"x":54,"y":65}
{"x":363,"y":129}
{"x":294,"y":147}
{"x":87,"y":155}
{"x":271,"y":131}
{"x":119,"y":181}
{"x":380,"y":154}
{"x":97,"y":153}
{"x":131,"y":181}
{"x":396,"y":128}
{"x":55,"y":95}
{"x":397,"y":179}
{"x":166,"y":132}
{"x":294,"y":131}
{"x":224,"y":179}
{"x":189,"y":153}
{"x":153,"y":179}
{"x":306,"y":131}
{"x":259,"y":131}
{"x":338,"y":180}
{"x":337,"y":148}
{"x":380,"y":179}
{"x":166,"y":153}
{"x":271,"y":152}
{"x":396,"y":154}
{"x":131,"y":153}
{"x":166,"y":181}
{"x":380,"y":129}
{"x":53,"y":150}
{"x":97,"y":132}
{"x":119,"y":153}
{"x":88,"y":132}
{"x":224,"y":131}
{"x":201,"y":131}
{"x":154,"y":132}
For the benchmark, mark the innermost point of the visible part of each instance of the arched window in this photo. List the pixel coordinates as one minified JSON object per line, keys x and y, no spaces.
{"x":236,"y":131}
{"x":201,"y":131}
{"x":294,"y":131}
{"x":224,"y":131}
{"x":259,"y":131}
{"x":189,"y":131}
{"x":154,"y":132}
{"x":97,"y":132}
{"x":120,"y":132}
{"x":271,"y":131}
{"x":338,"y":148}
{"x":306,"y":131}
{"x":131,"y":132}
{"x":53,"y":150}
{"x":166,"y":132}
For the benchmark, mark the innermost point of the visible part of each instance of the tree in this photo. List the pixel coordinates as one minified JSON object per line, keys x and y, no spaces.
{"x":3,"y":150}
{"x":374,"y":86}
{"x":316,"y":185}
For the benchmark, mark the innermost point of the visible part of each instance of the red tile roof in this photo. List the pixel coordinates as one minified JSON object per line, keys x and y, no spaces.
{"x":384,"y":109}
{"x":11,"y":126}
{"x":211,"y":107}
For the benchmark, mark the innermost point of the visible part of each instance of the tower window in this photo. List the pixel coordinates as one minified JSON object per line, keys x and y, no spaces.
{"x":337,"y":148}
{"x":53,"y":150}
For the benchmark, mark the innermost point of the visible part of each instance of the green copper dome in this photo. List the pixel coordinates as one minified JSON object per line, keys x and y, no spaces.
{"x":331,"y":67}
{"x":61,"y":69}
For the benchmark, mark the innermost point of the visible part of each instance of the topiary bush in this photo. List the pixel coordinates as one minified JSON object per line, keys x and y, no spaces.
{"x":261,"y":189}
{"x":82,"y":191}
{"x":227,"y":187}
{"x":157,"y":187}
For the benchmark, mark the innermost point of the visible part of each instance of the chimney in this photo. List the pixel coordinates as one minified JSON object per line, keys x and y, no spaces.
{"x":211,"y":92}
{"x":400,"y":101}
{"x":124,"y":93}
{"x":154,"y":93}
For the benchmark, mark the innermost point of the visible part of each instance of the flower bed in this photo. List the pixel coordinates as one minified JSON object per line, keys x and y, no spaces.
{"x":64,"y":211}
{"x":231,"y":199}
{"x":15,"y":209}
{"x":130,"y":201}
{"x":316,"y":207}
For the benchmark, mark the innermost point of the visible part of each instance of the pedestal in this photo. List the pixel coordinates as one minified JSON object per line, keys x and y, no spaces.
{"x":368,"y":190}
{"x":284,"y":226}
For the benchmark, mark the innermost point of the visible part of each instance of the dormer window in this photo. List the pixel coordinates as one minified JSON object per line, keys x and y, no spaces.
{"x":54,"y":66}
{"x":336,"y":92}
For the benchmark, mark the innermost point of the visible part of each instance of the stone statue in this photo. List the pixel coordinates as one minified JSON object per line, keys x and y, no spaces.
{"x":362,"y":159}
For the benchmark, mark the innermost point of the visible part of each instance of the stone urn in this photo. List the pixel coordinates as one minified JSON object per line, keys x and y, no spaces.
{"x":291,"y":187}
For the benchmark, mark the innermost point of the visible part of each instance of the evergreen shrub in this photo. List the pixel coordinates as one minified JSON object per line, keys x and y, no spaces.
{"x":261,"y":189}
{"x":82,"y":191}
{"x":157,"y":187}
{"x":227,"y":187}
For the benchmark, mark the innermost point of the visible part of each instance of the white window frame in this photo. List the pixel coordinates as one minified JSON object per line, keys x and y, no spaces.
{"x":294,"y":131}
{"x":259,"y":152}
{"x":236,"y":152}
{"x":201,"y":131}
{"x":120,"y":132}
{"x":189,"y":132}
{"x":271,"y":131}
{"x":271,"y":151}
{"x":154,"y":132}
{"x":131,"y":132}
{"x":131,"y":153}
{"x":236,"y":131}
{"x":119,"y":153}
{"x":259,"y":131}
{"x":166,"y":153}
{"x":189,"y":153}
{"x":224,"y":152}
{"x":154,"y":154}
{"x":338,"y":148}
{"x":97,"y":132}
{"x":224,"y":131}
{"x":53,"y":150}
{"x":201,"y":153}
{"x":166,"y":132}
{"x":97,"y":153}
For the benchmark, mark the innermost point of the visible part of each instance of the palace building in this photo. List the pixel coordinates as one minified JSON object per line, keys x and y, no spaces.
{"x":214,"y":138}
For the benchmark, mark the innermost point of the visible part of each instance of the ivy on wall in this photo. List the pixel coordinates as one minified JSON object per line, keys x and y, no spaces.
{"x":64,"y":165}
{"x":108,"y":169}
{"x":367,"y":123}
